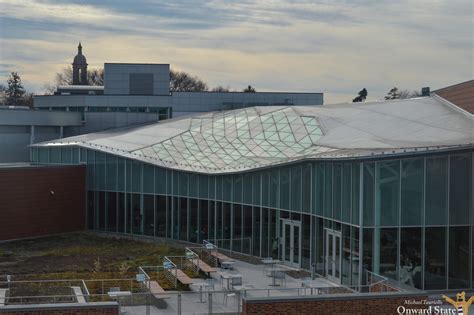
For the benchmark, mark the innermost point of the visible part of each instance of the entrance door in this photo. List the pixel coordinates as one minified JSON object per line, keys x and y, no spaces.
{"x":333,"y":255}
{"x":291,"y":239}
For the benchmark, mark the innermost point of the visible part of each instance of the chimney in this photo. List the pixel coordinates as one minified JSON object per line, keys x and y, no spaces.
{"x":425,"y":91}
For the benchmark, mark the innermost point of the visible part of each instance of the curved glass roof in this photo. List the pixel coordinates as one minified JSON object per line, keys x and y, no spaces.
{"x":241,"y":139}
{"x":250,"y":138}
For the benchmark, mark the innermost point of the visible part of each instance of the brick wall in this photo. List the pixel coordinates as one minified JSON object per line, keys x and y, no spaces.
{"x":461,"y":94}
{"x":106,"y":308}
{"x":41,"y":200}
{"x":361,"y":304}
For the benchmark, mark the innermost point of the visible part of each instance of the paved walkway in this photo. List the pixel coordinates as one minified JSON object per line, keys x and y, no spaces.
{"x":254,"y":280}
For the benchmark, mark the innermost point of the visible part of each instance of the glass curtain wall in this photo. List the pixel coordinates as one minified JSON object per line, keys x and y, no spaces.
{"x":408,"y":219}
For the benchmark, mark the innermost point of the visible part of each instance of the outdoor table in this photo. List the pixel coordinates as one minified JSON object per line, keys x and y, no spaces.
{"x":201,"y":285}
{"x":272,"y":273}
{"x":227,"y":264}
{"x":228,"y":276}
{"x":118,"y":295}
{"x":270,"y":262}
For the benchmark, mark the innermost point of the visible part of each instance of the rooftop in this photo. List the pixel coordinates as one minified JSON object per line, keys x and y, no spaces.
{"x":250,"y":138}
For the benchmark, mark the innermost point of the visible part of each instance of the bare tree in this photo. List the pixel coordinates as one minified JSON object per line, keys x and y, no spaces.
{"x":395,"y":93}
{"x":220,"y":88}
{"x":183,"y":82}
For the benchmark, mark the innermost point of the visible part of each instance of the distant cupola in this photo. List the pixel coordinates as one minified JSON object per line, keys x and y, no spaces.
{"x":79,"y":68}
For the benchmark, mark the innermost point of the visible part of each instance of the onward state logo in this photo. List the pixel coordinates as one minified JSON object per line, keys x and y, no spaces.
{"x":461,"y":306}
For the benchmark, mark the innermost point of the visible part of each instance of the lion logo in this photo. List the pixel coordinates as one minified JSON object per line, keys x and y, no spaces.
{"x":461,"y":305}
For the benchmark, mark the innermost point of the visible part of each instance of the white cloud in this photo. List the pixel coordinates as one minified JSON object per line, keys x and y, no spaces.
{"x":336,"y":47}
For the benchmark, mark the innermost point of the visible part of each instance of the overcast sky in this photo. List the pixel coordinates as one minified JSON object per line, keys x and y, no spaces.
{"x":334,"y":47}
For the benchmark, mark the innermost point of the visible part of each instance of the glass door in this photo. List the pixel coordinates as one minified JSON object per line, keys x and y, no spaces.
{"x":291,"y":240}
{"x":333,"y":255}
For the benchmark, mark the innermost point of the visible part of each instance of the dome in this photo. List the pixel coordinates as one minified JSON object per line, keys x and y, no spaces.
{"x":80,"y":59}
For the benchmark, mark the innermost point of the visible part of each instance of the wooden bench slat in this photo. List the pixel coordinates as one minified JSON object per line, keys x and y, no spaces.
{"x":78,"y":293}
{"x":182,"y":277}
{"x":203,"y":266}
{"x":157,"y":290}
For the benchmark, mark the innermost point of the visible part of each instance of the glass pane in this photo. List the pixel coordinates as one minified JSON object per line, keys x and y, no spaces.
{"x":330,"y":254}
{"x":307,"y":188}
{"x":435,"y":258}
{"x":337,"y":192}
{"x":237,"y":188}
{"x":160,"y":181}
{"x":160,"y":218}
{"x":318,"y":190}
{"x":458,"y":257}
{"x":111,"y":212}
{"x":436,"y":204}
{"x":136,"y":176}
{"x":193,"y":185}
{"x":346,"y":193}
{"x":287,"y":235}
{"x":355,"y":193}
{"x":459,"y":188}
{"x":148,"y":210}
{"x":388,"y":252}
{"x":256,"y":188}
{"x":369,"y":194}
{"x":111,"y":172}
{"x":100,"y":170}
{"x":296,"y":244}
{"x":274,"y":191}
{"x":148,"y":178}
{"x":412,"y":191}
{"x":193,"y":220}
{"x":296,"y":188}
{"x":337,"y":256}
{"x":285,"y":188}
{"x":256,"y":231}
{"x":327,"y":209}
{"x":388,"y":193}
{"x":410,"y":257}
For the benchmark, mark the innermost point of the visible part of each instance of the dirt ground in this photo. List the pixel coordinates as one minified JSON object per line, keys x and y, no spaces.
{"x":79,"y":256}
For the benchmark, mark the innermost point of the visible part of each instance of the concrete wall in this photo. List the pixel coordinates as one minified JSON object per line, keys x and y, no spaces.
{"x":20,"y":128}
{"x":41,"y":200}
{"x":117,"y":77}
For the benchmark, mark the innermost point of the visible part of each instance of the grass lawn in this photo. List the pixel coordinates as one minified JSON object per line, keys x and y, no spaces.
{"x":81,"y":256}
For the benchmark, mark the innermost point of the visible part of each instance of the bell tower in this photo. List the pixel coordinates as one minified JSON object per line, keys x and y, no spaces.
{"x":79,"y":68}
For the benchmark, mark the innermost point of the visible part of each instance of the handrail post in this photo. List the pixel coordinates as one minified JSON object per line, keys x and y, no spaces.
{"x":209,"y":300}
{"x":179,"y":303}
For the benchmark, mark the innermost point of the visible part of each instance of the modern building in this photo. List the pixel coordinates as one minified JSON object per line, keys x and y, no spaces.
{"x":384,"y":186}
{"x":139,"y":93}
{"x":20,"y":127}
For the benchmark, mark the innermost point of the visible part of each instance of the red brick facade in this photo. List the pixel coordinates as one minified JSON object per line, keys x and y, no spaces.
{"x":461,"y":94}
{"x":41,"y":200}
{"x":63,"y":309}
{"x":341,"y":305}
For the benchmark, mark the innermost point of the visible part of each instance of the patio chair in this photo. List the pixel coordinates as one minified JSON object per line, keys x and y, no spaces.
{"x":211,"y":283}
{"x":229,"y":295}
{"x":280,"y":275}
{"x":236,"y":281}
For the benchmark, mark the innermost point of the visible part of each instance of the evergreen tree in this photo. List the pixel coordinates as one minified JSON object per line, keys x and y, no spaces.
{"x":15,"y":90}
{"x":249,"y":89}
{"x":362,"y":96}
